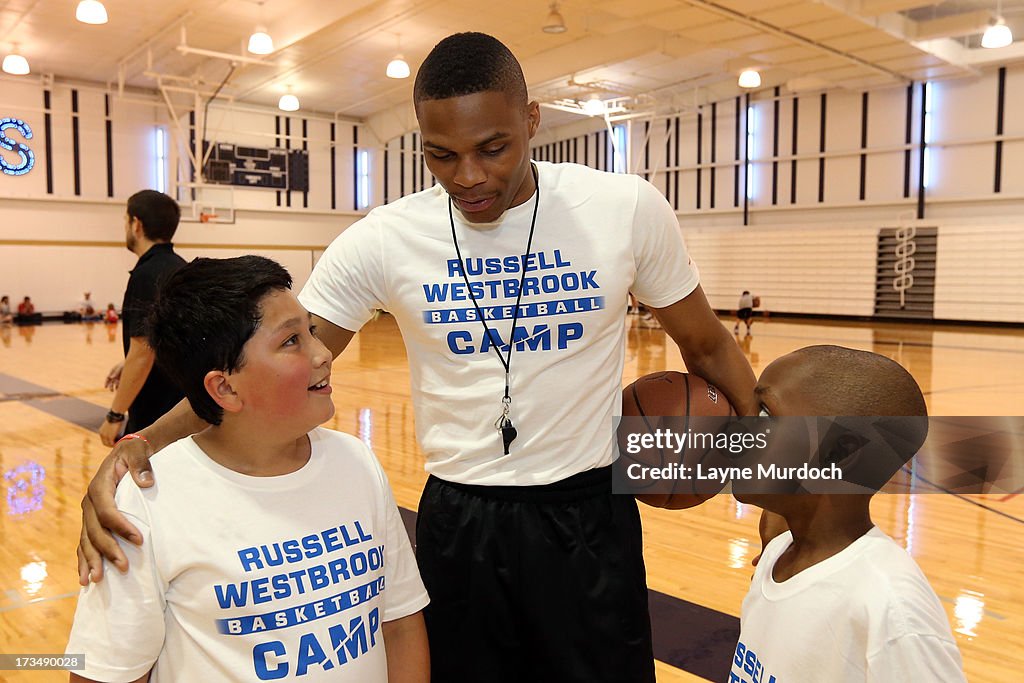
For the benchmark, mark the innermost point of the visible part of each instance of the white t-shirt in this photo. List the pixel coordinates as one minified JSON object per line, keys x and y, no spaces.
{"x":598,"y":236}
{"x":864,"y":614}
{"x":244,"y":578}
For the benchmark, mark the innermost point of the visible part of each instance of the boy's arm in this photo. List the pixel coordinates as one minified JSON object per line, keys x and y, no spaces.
{"x":405,"y":641}
{"x":100,"y":516}
{"x":119,"y":624}
{"x":926,"y":656}
{"x":75,"y":678}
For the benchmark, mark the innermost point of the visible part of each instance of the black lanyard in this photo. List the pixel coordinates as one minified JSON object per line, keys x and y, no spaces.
{"x":503,"y":423}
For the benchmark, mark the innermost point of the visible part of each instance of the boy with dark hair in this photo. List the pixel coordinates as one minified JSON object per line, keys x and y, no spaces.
{"x":508,"y":280}
{"x":273,"y":548}
{"x":142,"y":392}
{"x":834,"y":598}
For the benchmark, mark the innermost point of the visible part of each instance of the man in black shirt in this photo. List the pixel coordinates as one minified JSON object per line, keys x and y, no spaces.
{"x":141,"y":389}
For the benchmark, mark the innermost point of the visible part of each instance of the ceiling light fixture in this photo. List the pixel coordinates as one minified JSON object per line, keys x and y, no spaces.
{"x":554,"y":23}
{"x":91,"y":12}
{"x":260,"y":42}
{"x":288,"y":101}
{"x":997,"y":35}
{"x":749,"y":79}
{"x":15,"y":64}
{"x":595,"y":106}
{"x":398,"y":67}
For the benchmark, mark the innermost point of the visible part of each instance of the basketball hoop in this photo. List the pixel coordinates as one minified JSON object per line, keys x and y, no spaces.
{"x":206,"y":217}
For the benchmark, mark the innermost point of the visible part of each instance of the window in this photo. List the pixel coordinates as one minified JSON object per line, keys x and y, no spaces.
{"x":621,"y":148}
{"x":160,"y":158}
{"x":363,"y":178}
{"x":750,"y":152}
{"x":927,"y":135}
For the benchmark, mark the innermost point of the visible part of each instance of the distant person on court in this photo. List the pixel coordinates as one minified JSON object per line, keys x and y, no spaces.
{"x":26,"y":307}
{"x":27,"y":312}
{"x":111,"y":316}
{"x":142,"y":392}
{"x":6,"y":317}
{"x":86,"y":307}
{"x":834,"y":598}
{"x":272,"y":548}
{"x":744,"y":312}
{"x":508,"y":280}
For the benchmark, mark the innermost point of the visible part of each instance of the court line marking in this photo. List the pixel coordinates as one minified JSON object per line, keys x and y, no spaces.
{"x":36,"y":601}
{"x":883,"y":342}
{"x":65,"y":407}
{"x":961,"y":496}
{"x":1011,"y":496}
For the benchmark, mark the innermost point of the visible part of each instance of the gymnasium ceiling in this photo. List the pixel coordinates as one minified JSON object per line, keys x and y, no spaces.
{"x":652,"y":54}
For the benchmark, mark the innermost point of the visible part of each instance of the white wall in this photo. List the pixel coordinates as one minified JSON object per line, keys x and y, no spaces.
{"x":979,"y":273}
{"x":793,"y":270}
{"x":132,"y":124}
{"x":406,"y":170}
{"x":54,"y":250}
{"x":814,"y":255}
{"x":56,"y":243}
{"x":818,"y":254}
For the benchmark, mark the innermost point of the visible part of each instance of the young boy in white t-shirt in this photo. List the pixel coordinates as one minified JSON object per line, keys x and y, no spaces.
{"x":272,"y":548}
{"x":834,"y":598}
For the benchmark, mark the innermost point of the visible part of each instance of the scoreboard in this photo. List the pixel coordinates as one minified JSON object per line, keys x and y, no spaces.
{"x":273,"y":168}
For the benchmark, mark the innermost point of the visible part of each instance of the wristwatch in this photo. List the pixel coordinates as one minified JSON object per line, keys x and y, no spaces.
{"x":114,"y":417}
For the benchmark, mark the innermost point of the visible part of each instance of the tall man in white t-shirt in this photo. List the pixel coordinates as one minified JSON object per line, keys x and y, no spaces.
{"x":508,"y":281}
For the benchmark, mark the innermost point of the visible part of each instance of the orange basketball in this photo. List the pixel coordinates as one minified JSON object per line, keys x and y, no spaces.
{"x":664,"y":398}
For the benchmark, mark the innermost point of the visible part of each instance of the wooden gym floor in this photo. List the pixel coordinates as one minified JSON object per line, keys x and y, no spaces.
{"x":970,"y":547}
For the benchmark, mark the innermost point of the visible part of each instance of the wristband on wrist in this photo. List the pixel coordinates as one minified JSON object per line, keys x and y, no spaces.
{"x":129,"y":437}
{"x":114,"y":416}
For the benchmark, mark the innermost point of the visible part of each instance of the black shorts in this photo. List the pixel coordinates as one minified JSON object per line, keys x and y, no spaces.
{"x":534,"y":583}
{"x":744,"y":313}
